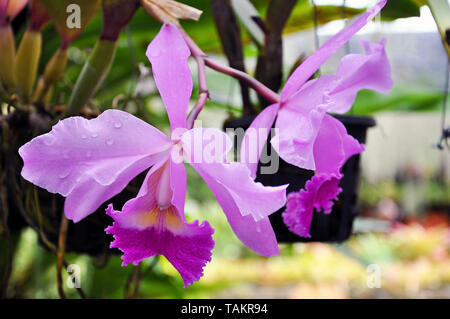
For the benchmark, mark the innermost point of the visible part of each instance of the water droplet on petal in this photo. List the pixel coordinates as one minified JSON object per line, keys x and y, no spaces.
{"x":64,"y":174}
{"x":109,"y":142}
{"x":49,"y":140}
{"x":117,"y":125}
{"x":125,"y":115}
{"x":94,"y":135}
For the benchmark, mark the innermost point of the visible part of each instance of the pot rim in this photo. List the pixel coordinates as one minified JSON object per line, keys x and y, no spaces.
{"x":347,"y":119}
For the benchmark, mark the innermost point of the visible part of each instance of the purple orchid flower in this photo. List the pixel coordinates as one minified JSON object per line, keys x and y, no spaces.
{"x":308,"y":137}
{"x":90,"y":161}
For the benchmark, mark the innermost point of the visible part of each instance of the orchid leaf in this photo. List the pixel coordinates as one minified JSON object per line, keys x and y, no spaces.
{"x":249,"y":16}
{"x":401,"y":9}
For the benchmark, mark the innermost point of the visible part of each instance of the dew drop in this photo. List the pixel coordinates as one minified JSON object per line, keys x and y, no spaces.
{"x":94,"y":135}
{"x":49,"y":140}
{"x":125,"y":115}
{"x":64,"y":174}
{"x":109,"y":142}
{"x":117,"y":125}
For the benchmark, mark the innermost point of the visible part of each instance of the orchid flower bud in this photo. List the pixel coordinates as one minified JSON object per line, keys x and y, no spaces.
{"x":116,"y":15}
{"x":29,"y":52}
{"x":7,"y":57}
{"x":8,"y":11}
{"x":169,"y":11}
{"x":14,"y":8}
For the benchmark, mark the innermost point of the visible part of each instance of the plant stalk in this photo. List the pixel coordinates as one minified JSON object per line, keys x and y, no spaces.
{"x":7,"y":57}
{"x":26,"y":64}
{"x":92,"y":75}
{"x":52,"y":73}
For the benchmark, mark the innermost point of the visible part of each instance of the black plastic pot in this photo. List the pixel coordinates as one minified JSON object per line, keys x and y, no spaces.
{"x":337,"y":226}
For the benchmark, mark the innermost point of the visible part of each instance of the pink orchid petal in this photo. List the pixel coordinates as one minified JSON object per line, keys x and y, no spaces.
{"x":257,"y":236}
{"x":312,"y":64}
{"x":255,"y":138}
{"x":250,"y":197}
{"x":168,"y":54}
{"x":142,"y":229}
{"x":296,"y":133}
{"x":89,"y":195}
{"x":245,"y":203}
{"x":334,"y":146}
{"x":145,"y":200}
{"x":178,"y":184}
{"x":205,"y":145}
{"x":300,"y":118}
{"x":369,"y":71}
{"x":105,"y":152}
{"x":318,"y":194}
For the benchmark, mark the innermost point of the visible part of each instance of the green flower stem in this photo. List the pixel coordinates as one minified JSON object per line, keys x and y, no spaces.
{"x":27,"y":61}
{"x":53,"y":71}
{"x":91,"y":77}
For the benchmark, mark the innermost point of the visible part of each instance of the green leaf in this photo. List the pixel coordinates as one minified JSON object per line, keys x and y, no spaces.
{"x":248,"y":15}
{"x":401,"y":9}
{"x":399,"y":99}
{"x":302,"y":16}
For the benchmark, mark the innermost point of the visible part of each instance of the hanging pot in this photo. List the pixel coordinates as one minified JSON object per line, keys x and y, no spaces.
{"x":333,"y":227}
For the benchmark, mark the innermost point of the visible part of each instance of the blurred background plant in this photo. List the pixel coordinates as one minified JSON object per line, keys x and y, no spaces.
{"x":58,"y":71}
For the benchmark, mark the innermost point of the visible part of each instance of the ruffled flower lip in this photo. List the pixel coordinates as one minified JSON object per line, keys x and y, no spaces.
{"x":319,"y":194}
{"x":187,"y":246}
